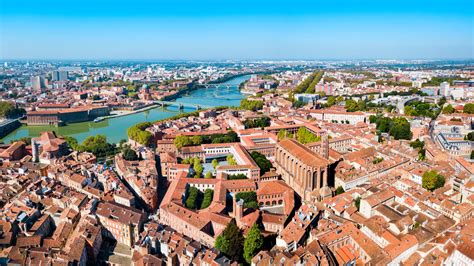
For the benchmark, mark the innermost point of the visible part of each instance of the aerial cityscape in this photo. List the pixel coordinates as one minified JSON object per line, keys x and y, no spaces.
{"x":236,"y":133}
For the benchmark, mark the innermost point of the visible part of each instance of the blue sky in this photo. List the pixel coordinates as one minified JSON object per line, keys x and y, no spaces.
{"x":228,"y":29}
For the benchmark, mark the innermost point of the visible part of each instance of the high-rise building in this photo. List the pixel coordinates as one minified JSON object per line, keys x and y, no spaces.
{"x":444,"y":89}
{"x":59,"y":75}
{"x":38,"y":82}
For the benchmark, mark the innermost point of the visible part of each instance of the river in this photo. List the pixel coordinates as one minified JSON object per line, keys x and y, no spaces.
{"x":115,"y":129}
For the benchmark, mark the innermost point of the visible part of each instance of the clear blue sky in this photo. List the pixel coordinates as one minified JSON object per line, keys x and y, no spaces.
{"x":244,"y":29}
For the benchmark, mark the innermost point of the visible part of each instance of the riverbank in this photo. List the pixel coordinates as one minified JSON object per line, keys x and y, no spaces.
{"x":115,"y":127}
{"x":153,"y":106}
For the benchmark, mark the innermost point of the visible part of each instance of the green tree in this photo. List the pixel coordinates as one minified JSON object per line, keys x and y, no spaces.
{"x":257,"y":122}
{"x":357,"y":203}
{"x":305,"y":136}
{"x":236,"y":176}
{"x":400,"y":128}
{"x":253,"y":243}
{"x":263,"y":163}
{"x":196,"y":140}
{"x":331,"y":101}
{"x":207,"y":200}
{"x":469,"y":108}
{"x":298,"y":104}
{"x":431,"y":180}
{"x":316,"y":78}
{"x":182,"y":141}
{"x":442,"y":101}
{"x":215,"y":163}
{"x":129,"y":154}
{"x":230,"y":160}
{"x":8,"y":110}
{"x":251,"y":105}
{"x":250,"y":199}
{"x":339,"y":190}
{"x":449,"y":109}
{"x":139,"y":133}
{"x":417,"y":144}
{"x":192,"y":198}
{"x":208,"y":175}
{"x":230,"y":241}
{"x":351,"y":105}
{"x":282,"y":134}
{"x":97,"y":145}
{"x":469,"y":136}
{"x":198,"y":168}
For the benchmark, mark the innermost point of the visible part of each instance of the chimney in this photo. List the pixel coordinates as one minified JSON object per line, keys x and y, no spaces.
{"x":238,"y":210}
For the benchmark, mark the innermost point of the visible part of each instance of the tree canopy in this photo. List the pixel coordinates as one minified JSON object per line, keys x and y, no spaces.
{"x":97,"y":145}
{"x":230,"y":241}
{"x":305,"y":136}
{"x":139,"y":133}
{"x":207,"y":200}
{"x":431,"y":180}
{"x":193,"y":199}
{"x":449,"y":109}
{"x":398,"y":127}
{"x":253,"y":243}
{"x":263,"y":163}
{"x":184,"y":141}
{"x":251,"y":105}
{"x":8,"y":110}
{"x":339,"y":190}
{"x":250,"y":199}
{"x":129,"y":154}
{"x":469,"y":108}
{"x":257,"y":122}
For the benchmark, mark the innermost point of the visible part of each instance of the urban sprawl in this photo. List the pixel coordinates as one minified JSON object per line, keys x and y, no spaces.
{"x":322,"y":163}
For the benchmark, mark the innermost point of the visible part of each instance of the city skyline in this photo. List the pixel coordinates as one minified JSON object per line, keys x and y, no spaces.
{"x":210,"y":30}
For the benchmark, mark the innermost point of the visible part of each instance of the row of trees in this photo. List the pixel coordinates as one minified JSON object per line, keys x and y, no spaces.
{"x":308,"y":85}
{"x":139,"y":133}
{"x":184,"y":141}
{"x":197,"y":200}
{"x":259,"y":122}
{"x":317,"y":77}
{"x":251,"y":105}
{"x":398,"y":127}
{"x":195,"y":162}
{"x":236,"y":176}
{"x":207,"y":199}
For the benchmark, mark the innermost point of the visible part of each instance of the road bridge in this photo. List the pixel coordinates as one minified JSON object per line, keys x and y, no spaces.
{"x":183,"y":105}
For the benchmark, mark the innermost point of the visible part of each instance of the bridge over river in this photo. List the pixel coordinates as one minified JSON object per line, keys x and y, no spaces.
{"x":183,"y":105}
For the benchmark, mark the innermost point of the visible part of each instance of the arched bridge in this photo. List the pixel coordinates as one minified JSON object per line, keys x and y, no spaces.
{"x":183,"y":105}
{"x":208,"y":85}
